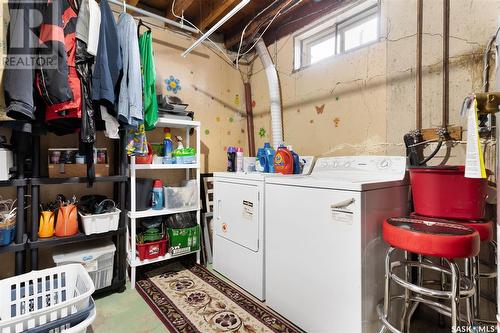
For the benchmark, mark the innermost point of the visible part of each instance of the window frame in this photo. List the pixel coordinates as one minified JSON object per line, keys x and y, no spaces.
{"x":335,"y":27}
{"x":354,"y":21}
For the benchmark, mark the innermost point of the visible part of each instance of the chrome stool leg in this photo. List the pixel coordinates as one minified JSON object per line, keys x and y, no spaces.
{"x":414,"y":306}
{"x":460,"y":287}
{"x":407,"y":302}
{"x":455,"y":294}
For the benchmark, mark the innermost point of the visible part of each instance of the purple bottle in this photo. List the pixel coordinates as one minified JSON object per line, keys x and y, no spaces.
{"x":231,"y":159}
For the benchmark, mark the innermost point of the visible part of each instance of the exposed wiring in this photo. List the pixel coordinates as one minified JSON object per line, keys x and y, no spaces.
{"x":195,"y":27}
{"x":263,"y":32}
{"x":245,"y":29}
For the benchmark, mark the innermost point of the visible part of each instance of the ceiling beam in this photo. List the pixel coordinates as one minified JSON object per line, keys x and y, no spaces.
{"x":180,"y":5}
{"x":302,"y":17}
{"x":133,"y":2}
{"x":304,"y":13}
{"x":256,"y":25}
{"x":219,"y":10}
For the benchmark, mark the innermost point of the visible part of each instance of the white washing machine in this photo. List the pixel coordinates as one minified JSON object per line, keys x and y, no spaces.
{"x":239,"y":227}
{"x":324,"y":252}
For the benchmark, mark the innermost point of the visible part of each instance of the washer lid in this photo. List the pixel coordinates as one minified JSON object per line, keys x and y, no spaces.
{"x":354,"y":173}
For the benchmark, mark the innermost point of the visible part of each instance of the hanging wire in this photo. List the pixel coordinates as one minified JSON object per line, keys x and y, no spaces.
{"x":195,"y":27}
{"x":278,"y":13}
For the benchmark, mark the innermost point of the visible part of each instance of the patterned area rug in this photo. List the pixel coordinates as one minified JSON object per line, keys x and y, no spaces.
{"x":192,"y":300}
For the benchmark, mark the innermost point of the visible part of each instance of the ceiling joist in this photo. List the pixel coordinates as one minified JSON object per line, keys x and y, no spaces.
{"x":179,"y":7}
{"x":255,"y":25}
{"x":219,"y":10}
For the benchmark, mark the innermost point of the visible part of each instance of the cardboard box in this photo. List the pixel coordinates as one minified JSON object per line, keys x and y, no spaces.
{"x":76,"y":170}
{"x":184,"y":240}
{"x":66,"y":163}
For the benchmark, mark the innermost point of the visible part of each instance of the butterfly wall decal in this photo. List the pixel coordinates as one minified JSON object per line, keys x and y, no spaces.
{"x":320,"y":109}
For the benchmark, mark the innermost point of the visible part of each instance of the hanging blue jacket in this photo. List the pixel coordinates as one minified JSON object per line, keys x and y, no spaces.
{"x":108,"y":64}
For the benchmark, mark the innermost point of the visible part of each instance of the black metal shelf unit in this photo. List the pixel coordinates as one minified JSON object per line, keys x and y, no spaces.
{"x":118,"y":236}
{"x":20,"y":137}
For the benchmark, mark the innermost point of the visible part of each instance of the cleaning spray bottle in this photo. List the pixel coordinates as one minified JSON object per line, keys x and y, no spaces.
{"x":167,"y":146}
{"x":283,"y":161}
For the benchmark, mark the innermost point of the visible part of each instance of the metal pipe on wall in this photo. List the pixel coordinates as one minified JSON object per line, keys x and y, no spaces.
{"x":446,"y":62}
{"x":418,"y":93}
{"x":250,"y":127}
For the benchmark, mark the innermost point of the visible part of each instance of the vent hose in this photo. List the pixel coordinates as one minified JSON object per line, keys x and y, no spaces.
{"x":274,"y":93}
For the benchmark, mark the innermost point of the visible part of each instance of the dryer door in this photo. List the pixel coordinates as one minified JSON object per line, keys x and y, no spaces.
{"x":237,"y":212}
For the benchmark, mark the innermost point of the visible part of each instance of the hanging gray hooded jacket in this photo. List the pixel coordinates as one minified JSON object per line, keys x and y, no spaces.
{"x":130,"y":98}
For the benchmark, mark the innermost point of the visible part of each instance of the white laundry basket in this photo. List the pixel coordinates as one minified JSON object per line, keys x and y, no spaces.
{"x":34,"y":299}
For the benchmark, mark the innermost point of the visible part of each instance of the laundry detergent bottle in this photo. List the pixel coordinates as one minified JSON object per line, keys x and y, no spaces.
{"x":269,"y":152}
{"x":261,"y":161}
{"x":296,"y":161}
{"x":231,"y":159}
{"x":157,"y":195}
{"x":283,"y":161}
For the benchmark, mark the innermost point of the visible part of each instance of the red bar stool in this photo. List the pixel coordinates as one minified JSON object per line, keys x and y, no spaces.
{"x":485,"y":230}
{"x":448,"y":241}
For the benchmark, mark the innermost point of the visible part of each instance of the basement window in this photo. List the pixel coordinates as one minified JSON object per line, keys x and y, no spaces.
{"x":348,"y":30}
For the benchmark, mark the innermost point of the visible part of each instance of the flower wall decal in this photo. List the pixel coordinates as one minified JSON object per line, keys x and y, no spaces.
{"x":173,"y":84}
{"x":262,"y":132}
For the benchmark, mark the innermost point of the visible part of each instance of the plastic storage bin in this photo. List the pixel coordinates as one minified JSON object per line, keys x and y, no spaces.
{"x":152,"y":250}
{"x":36,"y":298}
{"x":100,"y":223}
{"x":97,"y":258}
{"x":185,"y":196}
{"x":7,"y":233}
{"x":445,"y":192}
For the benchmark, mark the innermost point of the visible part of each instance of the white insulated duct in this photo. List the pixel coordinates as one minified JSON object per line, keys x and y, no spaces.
{"x":274,"y":93}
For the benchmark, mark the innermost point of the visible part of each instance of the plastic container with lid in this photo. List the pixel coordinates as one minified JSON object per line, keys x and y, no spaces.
{"x":157,"y":198}
{"x":445,"y":192}
{"x":239,"y":159}
{"x":283,"y":161}
{"x":231,"y":159}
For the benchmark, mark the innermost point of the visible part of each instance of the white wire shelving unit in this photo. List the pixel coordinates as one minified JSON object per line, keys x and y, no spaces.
{"x":132,"y":258}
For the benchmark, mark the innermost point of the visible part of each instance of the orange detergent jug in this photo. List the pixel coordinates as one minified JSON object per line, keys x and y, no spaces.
{"x":46,"y":227}
{"x":283,"y":161}
{"x":67,"y":221}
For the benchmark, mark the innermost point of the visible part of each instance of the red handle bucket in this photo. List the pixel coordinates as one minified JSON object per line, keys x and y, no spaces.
{"x":445,"y":192}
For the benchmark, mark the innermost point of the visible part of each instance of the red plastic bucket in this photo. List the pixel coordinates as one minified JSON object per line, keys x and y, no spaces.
{"x":444,"y":192}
